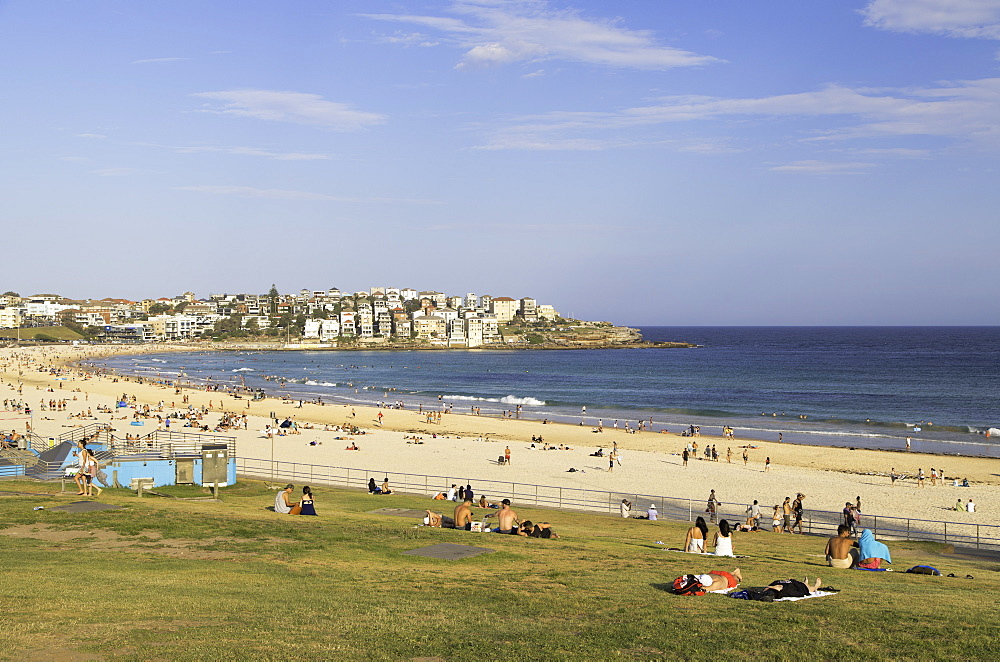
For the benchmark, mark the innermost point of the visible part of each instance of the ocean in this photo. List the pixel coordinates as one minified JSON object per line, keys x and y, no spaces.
{"x":863,"y":387}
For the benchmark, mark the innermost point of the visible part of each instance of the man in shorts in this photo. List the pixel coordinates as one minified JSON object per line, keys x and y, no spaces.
{"x":717,"y":580}
{"x":786,"y":515}
{"x":840,"y":552}
{"x":463,"y":515}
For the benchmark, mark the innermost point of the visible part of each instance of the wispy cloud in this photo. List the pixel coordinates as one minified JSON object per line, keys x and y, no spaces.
{"x":498,"y":33}
{"x":160,"y":59}
{"x":285,"y":194}
{"x":824,"y":168}
{"x":966,"y":111}
{"x":294,"y":107}
{"x":410,"y":39}
{"x":954,"y":18}
{"x":96,"y":136}
{"x":114,"y":172}
{"x":242,"y":151}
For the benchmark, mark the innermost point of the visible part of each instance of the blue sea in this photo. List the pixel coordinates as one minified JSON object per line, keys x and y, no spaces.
{"x":864,"y":387}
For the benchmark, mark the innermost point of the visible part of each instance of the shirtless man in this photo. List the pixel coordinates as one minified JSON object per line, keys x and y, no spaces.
{"x":433,"y":519}
{"x":717,"y":580}
{"x":840,"y":549}
{"x":786,"y":515}
{"x":507,"y":518}
{"x":463,"y":515}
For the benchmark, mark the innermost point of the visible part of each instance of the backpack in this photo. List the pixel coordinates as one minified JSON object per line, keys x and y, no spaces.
{"x":688,"y":585}
{"x":924,"y":570}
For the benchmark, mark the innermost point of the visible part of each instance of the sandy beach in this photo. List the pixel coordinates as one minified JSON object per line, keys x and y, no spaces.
{"x":468,"y":446}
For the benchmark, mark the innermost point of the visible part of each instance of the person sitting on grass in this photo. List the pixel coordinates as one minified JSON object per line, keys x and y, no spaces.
{"x":840,"y":552}
{"x":871,"y":552}
{"x":463,"y":515}
{"x":282,"y":504}
{"x":694,"y":542}
{"x":308,"y":504}
{"x":507,"y":519}
{"x":433,"y":519}
{"x":385,"y":486}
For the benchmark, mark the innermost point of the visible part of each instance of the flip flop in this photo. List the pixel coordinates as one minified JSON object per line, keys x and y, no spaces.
{"x":969,"y":577}
{"x":951,"y":574}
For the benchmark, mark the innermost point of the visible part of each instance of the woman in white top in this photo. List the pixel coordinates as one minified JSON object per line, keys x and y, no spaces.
{"x":723,"y":542}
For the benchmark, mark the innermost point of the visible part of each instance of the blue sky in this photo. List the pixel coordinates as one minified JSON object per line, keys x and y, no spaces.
{"x":646,"y":162}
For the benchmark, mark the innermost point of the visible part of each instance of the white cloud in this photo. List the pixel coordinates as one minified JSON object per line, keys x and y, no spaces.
{"x":966,"y":111}
{"x":495,"y":33}
{"x":953,"y":18}
{"x":114,"y":172}
{"x":160,"y":59}
{"x":824,"y":168}
{"x":96,"y":136}
{"x":252,"y":151}
{"x":294,"y":107}
{"x":251,"y":192}
{"x":285,"y":194}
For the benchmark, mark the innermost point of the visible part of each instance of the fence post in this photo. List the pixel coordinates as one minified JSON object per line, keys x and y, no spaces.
{"x":977,"y":536}
{"x":875,"y":525}
{"x":560,"y":496}
{"x":690,"y":510}
{"x":907,"y":529}
{"x":946,"y":533}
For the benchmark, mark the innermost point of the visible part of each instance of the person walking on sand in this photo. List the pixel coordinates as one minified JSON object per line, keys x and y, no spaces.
{"x":506,"y":455}
{"x":746,"y":456}
{"x":920,"y":477}
{"x":612,"y":456}
{"x":767,"y":464}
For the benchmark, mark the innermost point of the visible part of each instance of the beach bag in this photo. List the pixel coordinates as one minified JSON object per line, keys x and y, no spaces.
{"x":924,"y":570}
{"x":758,"y":594}
{"x":688,"y":585}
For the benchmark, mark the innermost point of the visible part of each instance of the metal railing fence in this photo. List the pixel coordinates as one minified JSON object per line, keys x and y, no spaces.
{"x":966,"y":534}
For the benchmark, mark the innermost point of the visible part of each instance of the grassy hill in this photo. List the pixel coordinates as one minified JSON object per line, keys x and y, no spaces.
{"x":175,"y":579}
{"x":56,"y":332}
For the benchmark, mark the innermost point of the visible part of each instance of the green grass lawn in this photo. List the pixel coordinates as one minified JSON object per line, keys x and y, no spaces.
{"x":57,"y":332}
{"x":171,"y":579}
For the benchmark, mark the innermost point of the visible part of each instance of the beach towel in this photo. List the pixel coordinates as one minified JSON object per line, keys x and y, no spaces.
{"x":816,"y":594}
{"x":675,"y":549}
{"x":869,"y":548}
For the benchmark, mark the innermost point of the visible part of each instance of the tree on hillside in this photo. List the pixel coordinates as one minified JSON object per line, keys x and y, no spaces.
{"x":158,"y":308}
